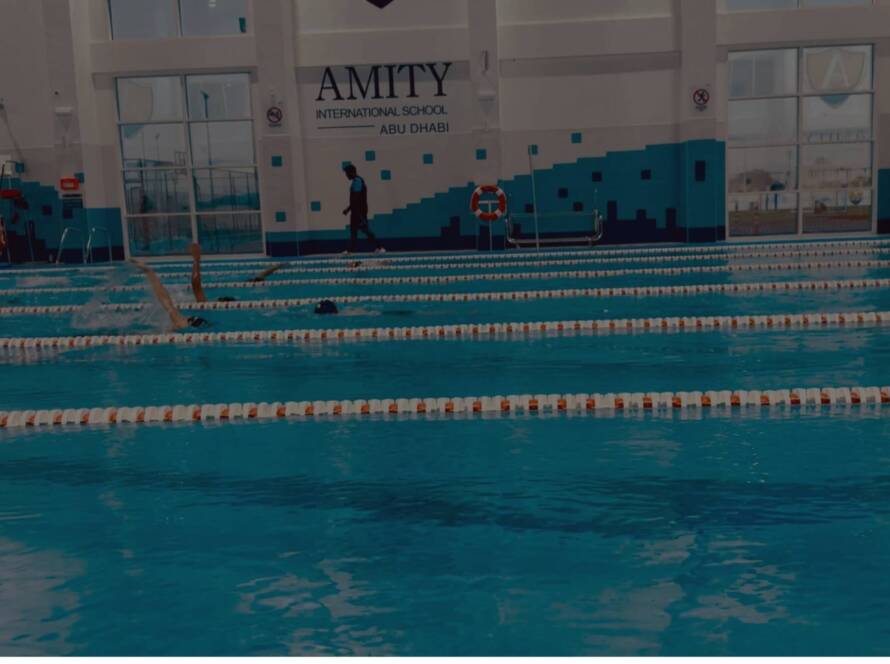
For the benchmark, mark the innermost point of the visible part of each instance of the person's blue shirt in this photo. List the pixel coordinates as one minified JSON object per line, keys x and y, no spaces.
{"x":358,"y":197}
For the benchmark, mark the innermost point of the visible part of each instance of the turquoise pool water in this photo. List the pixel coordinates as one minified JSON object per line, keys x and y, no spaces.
{"x":740,"y":532}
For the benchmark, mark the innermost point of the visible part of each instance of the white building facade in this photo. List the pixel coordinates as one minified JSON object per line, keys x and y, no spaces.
{"x":229,"y":121}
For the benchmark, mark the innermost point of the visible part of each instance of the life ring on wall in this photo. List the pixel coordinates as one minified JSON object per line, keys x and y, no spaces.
{"x":491,"y":215}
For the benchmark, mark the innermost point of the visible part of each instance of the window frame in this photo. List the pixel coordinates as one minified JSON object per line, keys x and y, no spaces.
{"x":248,"y":17}
{"x":189,"y":168}
{"x":723,"y":9}
{"x":800,"y":191}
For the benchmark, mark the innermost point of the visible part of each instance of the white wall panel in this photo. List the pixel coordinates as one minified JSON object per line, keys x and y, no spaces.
{"x":538,"y":11}
{"x":340,"y":15}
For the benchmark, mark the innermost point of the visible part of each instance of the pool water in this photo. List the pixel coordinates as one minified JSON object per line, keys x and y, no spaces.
{"x":742,"y":531}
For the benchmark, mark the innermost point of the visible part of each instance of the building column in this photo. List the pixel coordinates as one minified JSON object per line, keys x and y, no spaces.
{"x":882,"y":133}
{"x":484,"y":59}
{"x":702,"y":166}
{"x":485,"y":76}
{"x":280,"y":146}
{"x":96,"y":104}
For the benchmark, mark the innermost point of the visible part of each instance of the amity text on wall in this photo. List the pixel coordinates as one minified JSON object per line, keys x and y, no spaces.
{"x":388,"y":100}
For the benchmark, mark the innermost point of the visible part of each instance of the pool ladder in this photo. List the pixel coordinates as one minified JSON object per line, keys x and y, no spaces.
{"x":86,"y":250}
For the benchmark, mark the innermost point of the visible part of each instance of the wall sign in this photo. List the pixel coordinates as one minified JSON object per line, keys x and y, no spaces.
{"x":274,"y":116}
{"x":69,"y":184}
{"x":408,"y":99}
{"x":835,"y":69}
{"x":701,"y":97}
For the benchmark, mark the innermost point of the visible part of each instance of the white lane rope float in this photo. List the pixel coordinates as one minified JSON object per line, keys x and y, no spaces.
{"x":855,"y":399}
{"x":468,"y":331}
{"x":759,"y":247}
{"x":377,"y":266}
{"x":483,"y":296}
{"x":497,"y":276}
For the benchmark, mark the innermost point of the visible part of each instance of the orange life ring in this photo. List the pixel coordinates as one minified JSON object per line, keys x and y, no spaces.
{"x":492,"y":215}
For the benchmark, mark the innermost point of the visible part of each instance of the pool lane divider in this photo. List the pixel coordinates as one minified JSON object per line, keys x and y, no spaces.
{"x":491,"y":276}
{"x":482,"y":296}
{"x":382,"y":265}
{"x":755,"y":248}
{"x":471,"y":331}
{"x":860,"y":398}
{"x":759,"y":247}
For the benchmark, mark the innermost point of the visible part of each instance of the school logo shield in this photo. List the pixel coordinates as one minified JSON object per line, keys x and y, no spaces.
{"x":835,"y":70}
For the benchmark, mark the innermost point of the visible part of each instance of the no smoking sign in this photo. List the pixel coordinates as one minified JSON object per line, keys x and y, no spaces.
{"x":274,"y":116}
{"x":701,"y":97}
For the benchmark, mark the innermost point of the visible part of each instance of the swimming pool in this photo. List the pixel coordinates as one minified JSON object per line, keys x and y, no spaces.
{"x":679,"y":462}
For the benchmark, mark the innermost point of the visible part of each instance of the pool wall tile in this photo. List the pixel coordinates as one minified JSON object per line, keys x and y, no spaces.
{"x":671,"y":206}
{"x":35,"y":228}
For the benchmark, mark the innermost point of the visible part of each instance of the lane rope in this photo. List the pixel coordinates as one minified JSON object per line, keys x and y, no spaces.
{"x":499,"y":276}
{"x":854,"y":398}
{"x":755,"y":248}
{"x":469,"y":331}
{"x":624,"y":251}
{"x":483,"y":296}
{"x":382,"y":266}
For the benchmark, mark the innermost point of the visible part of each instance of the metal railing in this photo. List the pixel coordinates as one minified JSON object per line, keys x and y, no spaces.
{"x":89,"y":250}
{"x":68,"y":230}
{"x":590,"y":238}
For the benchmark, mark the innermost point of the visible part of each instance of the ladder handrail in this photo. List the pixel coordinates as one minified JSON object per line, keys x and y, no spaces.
{"x":89,"y":251}
{"x":29,"y":233}
{"x":65,"y":232}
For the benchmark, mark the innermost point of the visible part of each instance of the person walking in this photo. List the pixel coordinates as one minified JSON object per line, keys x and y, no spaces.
{"x":358,"y":210}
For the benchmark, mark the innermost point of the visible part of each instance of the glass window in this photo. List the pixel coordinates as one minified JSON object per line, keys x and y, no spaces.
{"x":762,"y":169}
{"x":226,"y":189}
{"x":219,"y":97}
{"x":756,"y":5}
{"x":834,"y":3}
{"x":760,"y":5}
{"x":837,"y":166}
{"x":153,"y":146}
{"x":837,"y":69}
{"x":149,"y":99}
{"x":143,"y":19}
{"x":837,"y":211}
{"x":741,"y":76}
{"x":763,"y":214}
{"x":836,"y":118}
{"x":763,"y":121}
{"x":213,"y":17}
{"x":156,"y":191}
{"x":829,"y":161}
{"x":230,"y":233}
{"x":222,"y":143}
{"x":159,"y":236}
{"x":204,"y":181}
{"x":763,"y":73}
